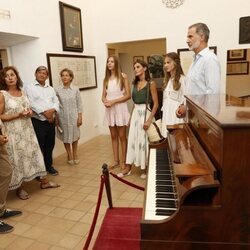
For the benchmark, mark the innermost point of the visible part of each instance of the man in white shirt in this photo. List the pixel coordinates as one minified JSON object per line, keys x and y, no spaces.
{"x":204,"y":74}
{"x":45,"y":104}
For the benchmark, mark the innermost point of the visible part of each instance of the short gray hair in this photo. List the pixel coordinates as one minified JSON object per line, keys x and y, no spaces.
{"x":201,"y":28}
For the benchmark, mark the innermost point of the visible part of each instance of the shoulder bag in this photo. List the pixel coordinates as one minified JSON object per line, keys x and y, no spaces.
{"x":154,"y":131}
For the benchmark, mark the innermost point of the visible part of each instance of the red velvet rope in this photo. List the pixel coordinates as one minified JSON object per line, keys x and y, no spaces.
{"x":92,"y":228}
{"x":127,"y":182}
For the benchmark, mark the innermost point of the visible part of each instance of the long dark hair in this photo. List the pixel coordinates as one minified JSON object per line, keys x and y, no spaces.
{"x":3,"y":73}
{"x":147,"y":74}
{"x":118,"y":72}
{"x":178,"y":71}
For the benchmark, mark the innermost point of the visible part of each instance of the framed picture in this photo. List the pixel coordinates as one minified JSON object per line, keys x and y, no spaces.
{"x":71,"y":27}
{"x":83,"y":67}
{"x":238,"y":68}
{"x":244,"y":34}
{"x":236,"y":54}
{"x":187,"y":57}
{"x":138,"y":58}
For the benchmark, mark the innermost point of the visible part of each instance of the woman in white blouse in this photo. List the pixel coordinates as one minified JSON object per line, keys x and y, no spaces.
{"x":173,"y":90}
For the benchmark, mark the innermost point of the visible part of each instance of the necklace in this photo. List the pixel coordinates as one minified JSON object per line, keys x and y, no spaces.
{"x":141,"y":85}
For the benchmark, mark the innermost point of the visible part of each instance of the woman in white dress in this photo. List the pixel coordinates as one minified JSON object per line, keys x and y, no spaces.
{"x":70,"y":115}
{"x":173,"y":90}
{"x":23,"y":149}
{"x":115,"y":94}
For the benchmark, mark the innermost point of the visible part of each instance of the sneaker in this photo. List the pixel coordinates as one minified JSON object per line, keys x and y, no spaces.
{"x":51,"y":170}
{"x":10,"y":213}
{"x":5,"y":228}
{"x":143,"y":176}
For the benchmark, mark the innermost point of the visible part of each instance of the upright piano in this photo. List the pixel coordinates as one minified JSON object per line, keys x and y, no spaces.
{"x":198,"y":185}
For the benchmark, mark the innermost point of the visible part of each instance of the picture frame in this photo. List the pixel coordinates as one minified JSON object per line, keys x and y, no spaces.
{"x":238,"y":68}
{"x":83,"y":67}
{"x":244,"y":30}
{"x":138,"y":58}
{"x":71,"y":27}
{"x":187,"y":57}
{"x":236,"y":54}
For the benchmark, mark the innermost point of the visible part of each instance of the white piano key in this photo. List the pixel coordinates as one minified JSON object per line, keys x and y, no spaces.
{"x":151,"y":192}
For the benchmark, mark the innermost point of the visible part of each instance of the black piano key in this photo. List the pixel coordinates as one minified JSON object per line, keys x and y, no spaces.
{"x":159,"y":172}
{"x":164,"y":189}
{"x":164,"y":183}
{"x":166,"y":203}
{"x":163,"y":177}
{"x":166,"y":195}
{"x":164,"y":212}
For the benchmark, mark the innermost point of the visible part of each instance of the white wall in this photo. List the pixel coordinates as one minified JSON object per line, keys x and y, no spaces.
{"x":114,"y":21}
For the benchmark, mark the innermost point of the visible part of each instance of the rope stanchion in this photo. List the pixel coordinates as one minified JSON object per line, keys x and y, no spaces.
{"x":105,"y":181}
{"x":92,"y":228}
{"x":127,"y":182}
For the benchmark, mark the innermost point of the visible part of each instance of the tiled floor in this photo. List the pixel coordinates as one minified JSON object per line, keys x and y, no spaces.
{"x":60,"y":218}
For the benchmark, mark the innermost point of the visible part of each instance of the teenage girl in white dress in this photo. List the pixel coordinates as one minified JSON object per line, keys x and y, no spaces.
{"x":115,"y":94}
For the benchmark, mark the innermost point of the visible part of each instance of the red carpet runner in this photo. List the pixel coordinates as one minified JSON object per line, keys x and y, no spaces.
{"x":120,"y":230}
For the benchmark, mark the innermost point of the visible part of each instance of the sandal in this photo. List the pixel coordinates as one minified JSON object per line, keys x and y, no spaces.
{"x":114,"y":165}
{"x":22,"y":194}
{"x":49,"y":184}
{"x":126,"y":172}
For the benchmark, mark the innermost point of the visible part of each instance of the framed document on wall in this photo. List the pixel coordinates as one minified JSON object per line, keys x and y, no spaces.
{"x":83,"y":67}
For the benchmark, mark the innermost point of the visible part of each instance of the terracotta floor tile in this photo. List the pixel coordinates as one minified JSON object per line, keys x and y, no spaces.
{"x":69,"y":204}
{"x":59,"y":212}
{"x":80,"y":229}
{"x":6,"y":240}
{"x":21,"y":228}
{"x":39,"y":246}
{"x":74,"y":215}
{"x":20,"y":244}
{"x":69,"y":241}
{"x":45,"y":209}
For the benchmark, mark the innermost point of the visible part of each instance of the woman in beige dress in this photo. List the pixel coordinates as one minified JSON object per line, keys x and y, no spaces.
{"x":23,"y":149}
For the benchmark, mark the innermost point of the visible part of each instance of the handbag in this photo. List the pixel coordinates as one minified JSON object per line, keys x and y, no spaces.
{"x":154,"y":132}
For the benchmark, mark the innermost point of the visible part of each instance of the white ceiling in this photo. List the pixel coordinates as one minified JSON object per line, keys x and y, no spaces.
{"x":10,"y":39}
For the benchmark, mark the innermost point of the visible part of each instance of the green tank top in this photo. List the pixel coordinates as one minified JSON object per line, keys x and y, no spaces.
{"x":140,"y":96}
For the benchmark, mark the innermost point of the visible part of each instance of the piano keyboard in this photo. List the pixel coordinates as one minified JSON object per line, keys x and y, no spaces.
{"x":162,"y":198}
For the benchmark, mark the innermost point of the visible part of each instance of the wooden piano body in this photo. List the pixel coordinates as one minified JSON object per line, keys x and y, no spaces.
{"x":210,"y":155}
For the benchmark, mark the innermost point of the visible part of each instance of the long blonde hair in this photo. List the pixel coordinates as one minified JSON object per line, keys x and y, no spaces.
{"x":178,"y":71}
{"x":118,"y":72}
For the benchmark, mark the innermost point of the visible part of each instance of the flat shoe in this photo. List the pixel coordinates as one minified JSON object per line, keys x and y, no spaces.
{"x":22,"y":194}
{"x":76,"y":162}
{"x":71,"y":162}
{"x":49,"y":184}
{"x":122,"y":175}
{"x":10,"y":213}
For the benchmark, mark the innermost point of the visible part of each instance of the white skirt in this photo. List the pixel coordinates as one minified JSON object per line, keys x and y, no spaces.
{"x":137,"y":150}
